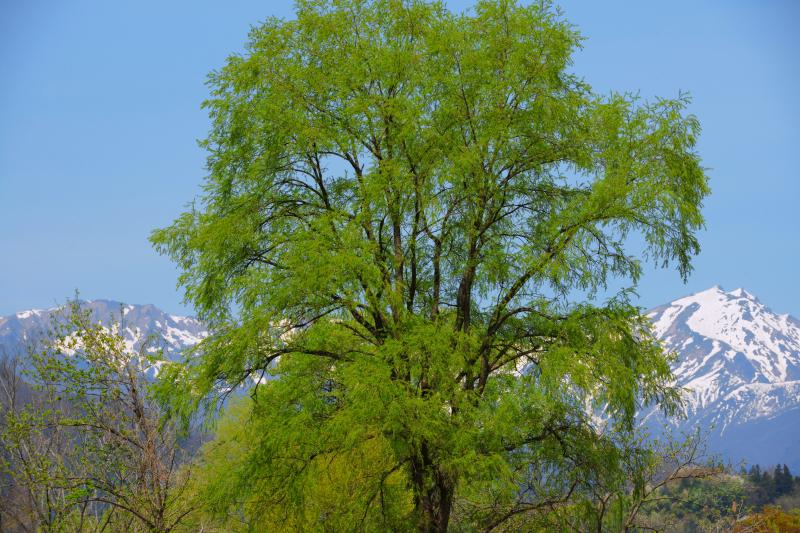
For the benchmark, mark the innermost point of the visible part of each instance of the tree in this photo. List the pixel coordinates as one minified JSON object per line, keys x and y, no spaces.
{"x":83,"y":444}
{"x":402,"y":208}
{"x":768,"y":520}
{"x":783,"y":480}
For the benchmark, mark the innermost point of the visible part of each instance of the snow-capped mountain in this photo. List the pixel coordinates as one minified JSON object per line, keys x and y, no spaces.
{"x":738,"y":361}
{"x":138,"y":323}
{"x":740,"y":365}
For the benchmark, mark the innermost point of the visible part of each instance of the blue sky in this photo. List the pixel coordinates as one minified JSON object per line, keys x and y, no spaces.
{"x":100,"y":113}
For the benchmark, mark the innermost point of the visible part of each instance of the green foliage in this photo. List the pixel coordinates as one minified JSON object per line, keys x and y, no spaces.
{"x":768,"y":485}
{"x":770,"y":520}
{"x":285,"y":481}
{"x":86,"y":450}
{"x":713,"y":499}
{"x":401,"y":203}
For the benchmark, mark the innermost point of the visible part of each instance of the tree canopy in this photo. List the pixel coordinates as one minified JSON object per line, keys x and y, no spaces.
{"x":402,"y":210}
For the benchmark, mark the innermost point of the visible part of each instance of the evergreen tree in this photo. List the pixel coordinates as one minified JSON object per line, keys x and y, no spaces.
{"x":401,"y":204}
{"x":755,"y":474}
{"x":787,"y":474}
{"x":783,"y":480}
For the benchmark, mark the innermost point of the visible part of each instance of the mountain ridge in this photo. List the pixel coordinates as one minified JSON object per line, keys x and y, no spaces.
{"x":138,"y":322}
{"x":739,"y":362}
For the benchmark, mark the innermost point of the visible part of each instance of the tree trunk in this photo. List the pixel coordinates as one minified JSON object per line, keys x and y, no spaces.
{"x":433,"y":495}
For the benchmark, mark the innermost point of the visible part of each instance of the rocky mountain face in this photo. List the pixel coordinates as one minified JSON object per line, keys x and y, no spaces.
{"x":738,"y":361}
{"x":138,"y":324}
{"x":740,"y":365}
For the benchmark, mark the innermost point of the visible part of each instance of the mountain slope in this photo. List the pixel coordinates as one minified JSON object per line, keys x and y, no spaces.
{"x":738,"y":360}
{"x":173,"y":333}
{"x":740,"y":364}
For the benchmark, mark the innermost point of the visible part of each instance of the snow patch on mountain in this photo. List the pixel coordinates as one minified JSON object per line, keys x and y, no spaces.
{"x":142,"y":327}
{"x":739,"y":363}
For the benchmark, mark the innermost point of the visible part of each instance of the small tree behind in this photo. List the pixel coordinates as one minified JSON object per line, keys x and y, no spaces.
{"x":87,"y":449}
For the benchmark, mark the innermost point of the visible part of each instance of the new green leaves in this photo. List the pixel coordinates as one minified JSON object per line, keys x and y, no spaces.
{"x":401,"y":203}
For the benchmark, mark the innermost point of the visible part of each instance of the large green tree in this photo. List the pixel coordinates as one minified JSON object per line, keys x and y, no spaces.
{"x":402,"y":205}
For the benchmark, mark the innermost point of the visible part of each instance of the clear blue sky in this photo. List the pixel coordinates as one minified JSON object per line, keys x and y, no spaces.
{"x":100,"y":112}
